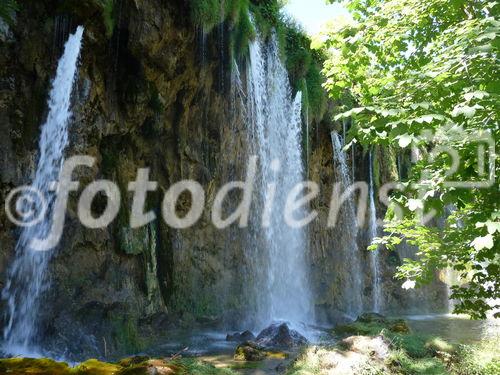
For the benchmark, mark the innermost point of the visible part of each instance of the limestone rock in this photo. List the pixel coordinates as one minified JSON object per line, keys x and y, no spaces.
{"x":241,"y":337}
{"x":371,"y":346}
{"x":280,"y":336}
{"x":250,"y":351}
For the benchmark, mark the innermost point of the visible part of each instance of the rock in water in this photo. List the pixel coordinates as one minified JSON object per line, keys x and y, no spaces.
{"x":250,"y":351}
{"x":280,"y":336}
{"x":372,"y":318}
{"x":400,"y":326}
{"x":241,"y":337}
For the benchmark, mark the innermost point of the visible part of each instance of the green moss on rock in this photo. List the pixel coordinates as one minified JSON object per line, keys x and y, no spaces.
{"x":206,"y":13}
{"x":95,"y":367}
{"x":42,"y":366}
{"x":126,"y":335}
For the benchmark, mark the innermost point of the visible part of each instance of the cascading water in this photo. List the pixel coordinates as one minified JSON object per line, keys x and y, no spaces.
{"x":374,"y":255}
{"x":274,"y":121}
{"x":349,"y":223}
{"x":27,"y":279}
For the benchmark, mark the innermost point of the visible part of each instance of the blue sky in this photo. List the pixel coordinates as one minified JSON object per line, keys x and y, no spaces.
{"x":312,"y":14}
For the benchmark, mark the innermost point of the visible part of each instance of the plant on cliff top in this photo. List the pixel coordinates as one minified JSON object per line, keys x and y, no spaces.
{"x":207,"y":13}
{"x":303,"y":63}
{"x":108,"y":8}
{"x":7,"y":9}
{"x":304,"y":67}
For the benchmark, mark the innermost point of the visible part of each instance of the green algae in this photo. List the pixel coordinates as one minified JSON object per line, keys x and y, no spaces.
{"x":131,"y":366}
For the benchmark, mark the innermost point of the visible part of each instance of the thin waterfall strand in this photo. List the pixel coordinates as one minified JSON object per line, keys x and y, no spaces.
{"x":349,"y":222}
{"x":27,"y":278}
{"x":374,"y":255}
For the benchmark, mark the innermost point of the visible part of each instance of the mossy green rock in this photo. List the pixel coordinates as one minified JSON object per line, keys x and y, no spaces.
{"x":44,"y":366}
{"x":400,"y":326}
{"x":129,"y":366}
{"x":250,"y":351}
{"x":372,"y":318}
{"x":373,"y":324}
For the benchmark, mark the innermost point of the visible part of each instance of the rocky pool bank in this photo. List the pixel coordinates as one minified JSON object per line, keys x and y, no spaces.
{"x":371,"y":345}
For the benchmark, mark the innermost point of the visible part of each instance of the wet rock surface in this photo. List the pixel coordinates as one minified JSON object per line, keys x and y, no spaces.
{"x":281,"y":336}
{"x":241,"y":337}
{"x":375,"y":347}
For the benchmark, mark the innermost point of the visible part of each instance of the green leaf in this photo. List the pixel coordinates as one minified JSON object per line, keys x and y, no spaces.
{"x":476,"y":94}
{"x":415,"y":204}
{"x":486,"y":242}
{"x":405,"y":140}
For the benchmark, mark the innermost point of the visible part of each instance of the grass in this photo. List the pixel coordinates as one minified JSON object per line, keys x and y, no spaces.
{"x":401,"y":363}
{"x":304,"y":365}
{"x":414,"y":354}
{"x":414,"y":345}
{"x":479,"y":359}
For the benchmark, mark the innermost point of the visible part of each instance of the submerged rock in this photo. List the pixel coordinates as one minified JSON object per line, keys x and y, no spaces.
{"x":280,"y":336}
{"x":250,"y":351}
{"x":241,"y":337}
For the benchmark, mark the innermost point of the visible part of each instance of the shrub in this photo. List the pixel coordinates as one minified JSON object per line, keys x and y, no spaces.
{"x":108,"y":16}
{"x":243,"y":30}
{"x":206,"y":13}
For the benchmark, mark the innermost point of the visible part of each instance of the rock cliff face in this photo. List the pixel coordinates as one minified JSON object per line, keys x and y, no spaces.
{"x":147,"y":96}
{"x":143,"y":99}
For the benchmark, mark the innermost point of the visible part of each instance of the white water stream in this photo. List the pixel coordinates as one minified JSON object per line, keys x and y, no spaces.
{"x":27,"y":275}
{"x":274,"y":121}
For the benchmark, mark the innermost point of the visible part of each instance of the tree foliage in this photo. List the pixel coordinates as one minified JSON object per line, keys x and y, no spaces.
{"x":424,"y":74}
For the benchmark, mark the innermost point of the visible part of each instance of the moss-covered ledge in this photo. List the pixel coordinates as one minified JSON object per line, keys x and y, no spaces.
{"x":129,"y":366}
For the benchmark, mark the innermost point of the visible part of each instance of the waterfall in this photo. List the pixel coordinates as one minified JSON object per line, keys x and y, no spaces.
{"x":274,"y":122}
{"x":353,"y":162}
{"x":308,"y":148}
{"x":374,"y":255}
{"x":344,"y":132}
{"x":349,"y":229}
{"x":27,"y":279}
